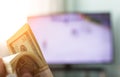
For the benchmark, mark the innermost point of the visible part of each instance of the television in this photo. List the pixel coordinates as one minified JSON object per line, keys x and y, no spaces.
{"x":74,"y":38}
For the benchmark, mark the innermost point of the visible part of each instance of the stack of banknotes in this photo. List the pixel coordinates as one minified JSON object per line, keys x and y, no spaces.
{"x":16,"y":63}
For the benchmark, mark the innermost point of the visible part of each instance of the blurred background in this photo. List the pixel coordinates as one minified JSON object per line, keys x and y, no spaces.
{"x":14,"y":13}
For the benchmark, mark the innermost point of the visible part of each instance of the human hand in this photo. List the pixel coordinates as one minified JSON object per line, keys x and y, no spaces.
{"x":3,"y":72}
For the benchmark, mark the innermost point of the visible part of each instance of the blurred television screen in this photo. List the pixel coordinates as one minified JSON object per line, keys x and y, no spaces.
{"x":74,"y":38}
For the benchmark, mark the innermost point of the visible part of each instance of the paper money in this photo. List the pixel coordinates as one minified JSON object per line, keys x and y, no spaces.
{"x":24,"y":41}
{"x":26,"y":55}
{"x":20,"y":63}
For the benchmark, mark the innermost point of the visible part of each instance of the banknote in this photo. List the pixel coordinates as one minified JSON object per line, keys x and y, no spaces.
{"x":17,"y":64}
{"x":24,"y":42}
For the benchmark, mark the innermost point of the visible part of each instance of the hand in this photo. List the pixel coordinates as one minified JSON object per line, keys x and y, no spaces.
{"x":3,"y":72}
{"x":25,"y":72}
{"x":27,"y":75}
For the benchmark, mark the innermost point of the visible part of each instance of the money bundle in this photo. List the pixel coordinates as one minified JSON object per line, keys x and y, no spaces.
{"x":25,"y":62}
{"x":26,"y":56}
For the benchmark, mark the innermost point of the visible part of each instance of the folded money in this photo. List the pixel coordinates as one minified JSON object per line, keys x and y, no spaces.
{"x":26,"y":62}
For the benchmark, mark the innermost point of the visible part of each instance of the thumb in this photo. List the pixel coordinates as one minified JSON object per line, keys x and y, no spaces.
{"x":3,"y":71}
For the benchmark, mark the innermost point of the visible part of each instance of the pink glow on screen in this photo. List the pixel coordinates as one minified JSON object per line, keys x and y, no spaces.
{"x":72,"y":39}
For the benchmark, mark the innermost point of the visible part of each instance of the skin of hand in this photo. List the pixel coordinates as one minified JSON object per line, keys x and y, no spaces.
{"x":27,"y":75}
{"x":3,"y":72}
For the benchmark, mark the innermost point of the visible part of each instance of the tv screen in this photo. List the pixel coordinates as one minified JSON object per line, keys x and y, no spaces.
{"x":74,"y":38}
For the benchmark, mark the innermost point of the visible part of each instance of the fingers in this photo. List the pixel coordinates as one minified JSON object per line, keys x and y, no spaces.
{"x":3,"y":71}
